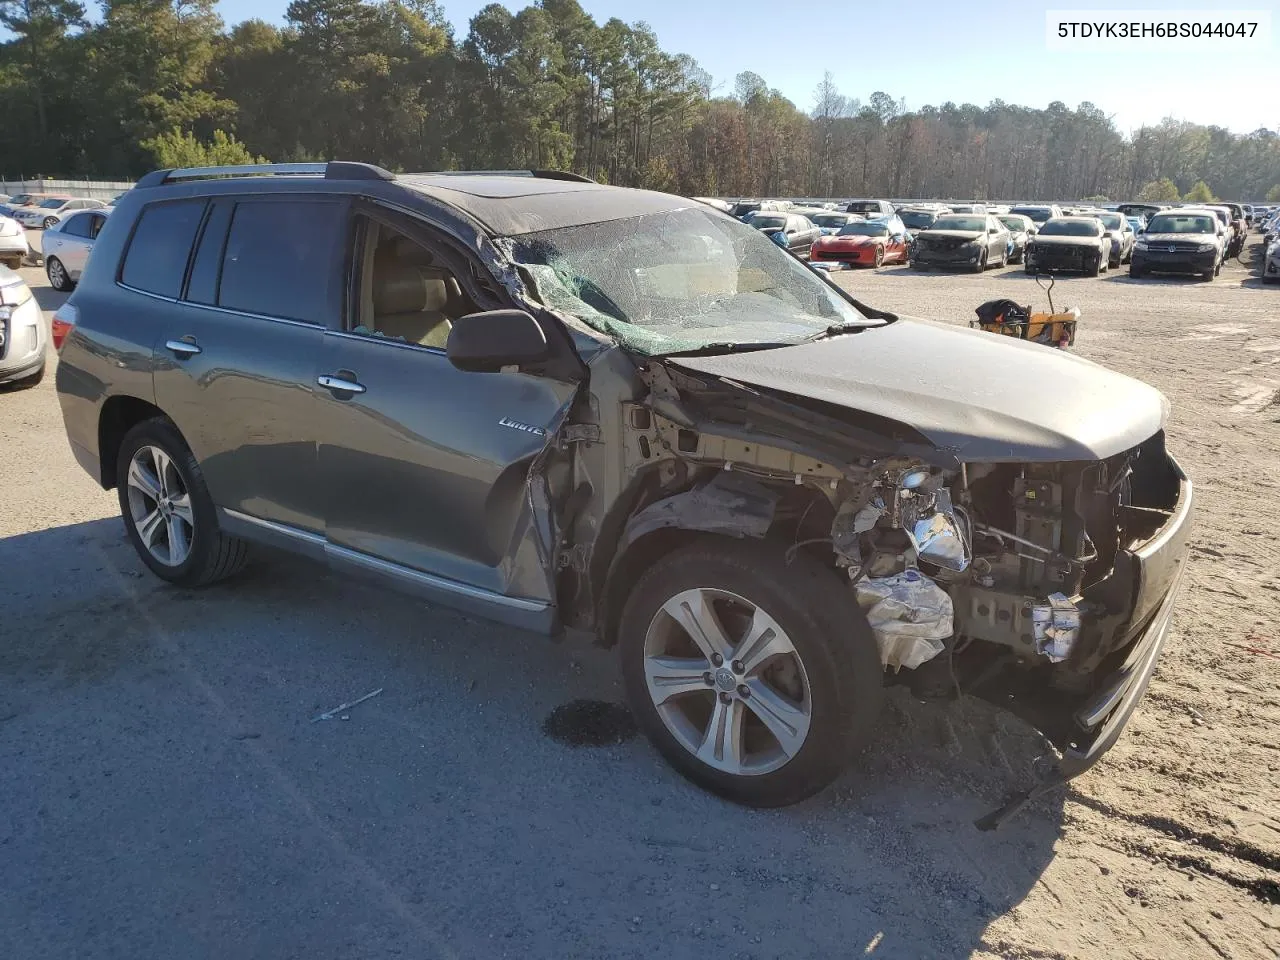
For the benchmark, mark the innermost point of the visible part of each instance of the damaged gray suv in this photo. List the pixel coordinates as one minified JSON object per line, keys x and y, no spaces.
{"x":558,"y":404}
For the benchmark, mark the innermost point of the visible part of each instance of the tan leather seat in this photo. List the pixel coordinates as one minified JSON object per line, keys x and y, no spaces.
{"x":409,"y":304}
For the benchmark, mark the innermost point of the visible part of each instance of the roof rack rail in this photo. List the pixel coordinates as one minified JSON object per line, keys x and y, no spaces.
{"x":333,"y":170}
{"x":540,"y":174}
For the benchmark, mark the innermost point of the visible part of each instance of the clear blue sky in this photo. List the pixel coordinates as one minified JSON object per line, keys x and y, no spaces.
{"x":931,"y":51}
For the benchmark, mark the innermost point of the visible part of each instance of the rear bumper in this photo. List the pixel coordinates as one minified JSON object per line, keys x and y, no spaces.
{"x":14,"y":245}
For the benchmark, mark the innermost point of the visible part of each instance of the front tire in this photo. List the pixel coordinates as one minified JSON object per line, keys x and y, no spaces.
{"x":981,"y":265}
{"x":1094,"y":268}
{"x":879,"y":257}
{"x":59,"y":279}
{"x":50,"y":222}
{"x":168,"y":513}
{"x":755,"y":678}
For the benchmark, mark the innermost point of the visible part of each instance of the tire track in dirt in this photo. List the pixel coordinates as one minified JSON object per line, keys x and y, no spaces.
{"x":1265,"y":888}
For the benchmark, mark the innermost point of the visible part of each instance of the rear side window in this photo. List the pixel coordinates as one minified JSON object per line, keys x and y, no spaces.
{"x":283,"y":259}
{"x":77,"y":226}
{"x":157,"y":256}
{"x":203,"y":285}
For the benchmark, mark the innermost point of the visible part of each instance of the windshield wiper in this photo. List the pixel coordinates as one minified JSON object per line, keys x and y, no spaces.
{"x":730,"y":346}
{"x":838,"y":329}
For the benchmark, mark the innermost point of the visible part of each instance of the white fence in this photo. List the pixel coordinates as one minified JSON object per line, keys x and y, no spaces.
{"x":92,"y":189}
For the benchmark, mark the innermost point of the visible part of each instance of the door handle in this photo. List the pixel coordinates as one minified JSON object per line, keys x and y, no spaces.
{"x":339,"y":383}
{"x":183,"y":348}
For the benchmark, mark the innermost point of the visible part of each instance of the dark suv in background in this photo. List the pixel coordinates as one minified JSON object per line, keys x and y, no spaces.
{"x":555,"y":404}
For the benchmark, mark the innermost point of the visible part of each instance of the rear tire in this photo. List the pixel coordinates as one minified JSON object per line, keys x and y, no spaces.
{"x":168,"y":513}
{"x":826,"y":653}
{"x":59,"y":279}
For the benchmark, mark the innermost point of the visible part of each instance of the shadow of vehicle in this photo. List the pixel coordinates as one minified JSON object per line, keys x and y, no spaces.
{"x":152,"y":732}
{"x":48,"y":298}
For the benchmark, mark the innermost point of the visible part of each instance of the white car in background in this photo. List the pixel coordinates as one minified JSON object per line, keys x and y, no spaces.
{"x":24,"y":336}
{"x":50,"y":212}
{"x":1271,"y":262}
{"x":66,"y":246}
{"x":14,"y":247}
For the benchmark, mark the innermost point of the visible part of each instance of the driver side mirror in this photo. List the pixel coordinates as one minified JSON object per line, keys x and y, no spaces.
{"x":992,"y":230}
{"x":487,"y":342}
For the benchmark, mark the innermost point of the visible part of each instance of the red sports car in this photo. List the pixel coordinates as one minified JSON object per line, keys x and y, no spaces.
{"x":865,"y":242}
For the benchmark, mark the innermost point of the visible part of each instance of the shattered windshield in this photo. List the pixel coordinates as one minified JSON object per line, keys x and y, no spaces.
{"x":679,"y":280}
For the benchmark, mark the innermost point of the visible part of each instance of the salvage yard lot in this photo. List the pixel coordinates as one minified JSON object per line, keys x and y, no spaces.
{"x":166,"y":793}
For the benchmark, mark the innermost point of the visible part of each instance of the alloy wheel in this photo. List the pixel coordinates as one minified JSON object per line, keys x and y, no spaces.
{"x":57,"y":274}
{"x":727,"y":682}
{"x":160,"y":506}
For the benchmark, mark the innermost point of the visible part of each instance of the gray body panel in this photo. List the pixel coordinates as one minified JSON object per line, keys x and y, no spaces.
{"x":981,"y":397}
{"x":246,"y":406}
{"x":418,"y":470}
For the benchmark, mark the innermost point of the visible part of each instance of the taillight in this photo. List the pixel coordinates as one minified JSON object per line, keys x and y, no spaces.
{"x":64,"y":320}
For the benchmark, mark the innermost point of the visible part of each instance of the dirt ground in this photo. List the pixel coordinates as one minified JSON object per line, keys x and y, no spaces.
{"x":166,"y":793}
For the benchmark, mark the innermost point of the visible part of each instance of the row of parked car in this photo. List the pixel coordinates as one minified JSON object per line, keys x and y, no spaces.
{"x":1269,"y":227}
{"x":1046,"y":237}
{"x":66,"y":245}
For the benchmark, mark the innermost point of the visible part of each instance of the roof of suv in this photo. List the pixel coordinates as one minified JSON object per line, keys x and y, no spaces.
{"x":513,"y":205}
{"x":505,"y":203}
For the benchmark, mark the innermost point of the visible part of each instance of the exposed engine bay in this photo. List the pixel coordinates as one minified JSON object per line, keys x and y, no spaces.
{"x":1023,"y":564}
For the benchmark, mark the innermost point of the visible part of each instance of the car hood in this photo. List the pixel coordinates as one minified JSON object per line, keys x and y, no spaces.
{"x":953,"y":234}
{"x":979,"y":397}
{"x":1060,"y":241}
{"x":848,"y":240}
{"x":1172,"y":237}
